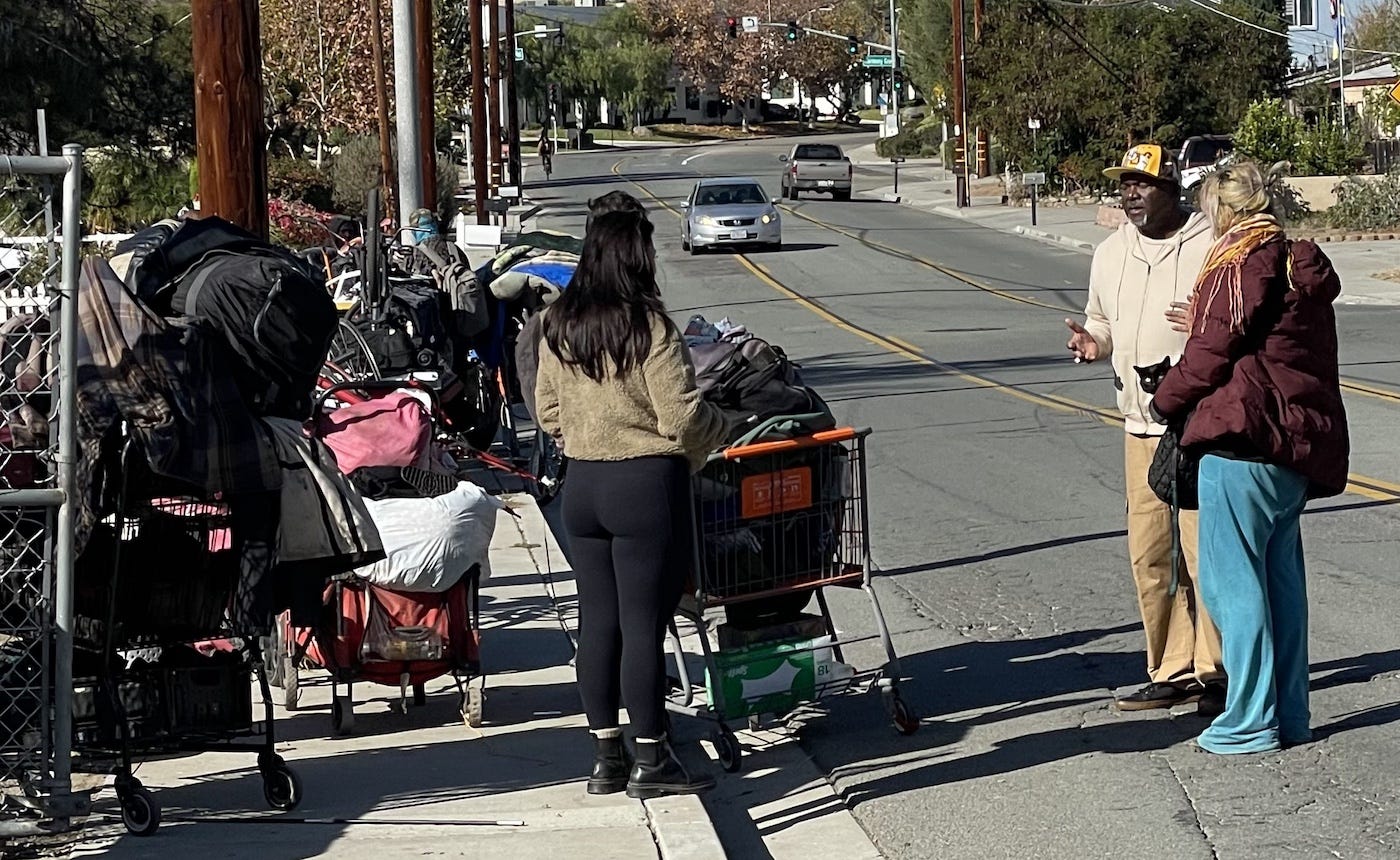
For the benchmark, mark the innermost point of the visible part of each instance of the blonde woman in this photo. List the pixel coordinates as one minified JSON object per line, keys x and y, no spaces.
{"x":1258,"y":380}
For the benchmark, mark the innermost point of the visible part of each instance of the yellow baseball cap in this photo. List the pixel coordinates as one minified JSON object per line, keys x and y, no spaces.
{"x":1148,"y":159}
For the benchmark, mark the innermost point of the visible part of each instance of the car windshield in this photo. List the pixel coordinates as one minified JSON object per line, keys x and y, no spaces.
{"x":1200,"y":152}
{"x":738,"y":194}
{"x":817,"y":152}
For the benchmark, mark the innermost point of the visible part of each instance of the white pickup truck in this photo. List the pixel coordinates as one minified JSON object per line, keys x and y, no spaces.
{"x":816,"y":167}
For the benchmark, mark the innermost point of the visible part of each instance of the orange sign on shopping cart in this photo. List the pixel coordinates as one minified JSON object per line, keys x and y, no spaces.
{"x":776,"y":492}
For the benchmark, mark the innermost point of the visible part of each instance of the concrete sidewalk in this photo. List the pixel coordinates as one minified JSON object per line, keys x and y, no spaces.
{"x":423,"y":783}
{"x":1075,"y":227}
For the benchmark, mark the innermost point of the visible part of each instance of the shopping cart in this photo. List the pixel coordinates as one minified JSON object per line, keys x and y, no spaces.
{"x":776,"y":524}
{"x":158,"y":666}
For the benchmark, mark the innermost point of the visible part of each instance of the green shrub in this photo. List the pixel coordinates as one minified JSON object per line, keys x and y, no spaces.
{"x":1367,"y":205}
{"x":1328,"y":150}
{"x":129,"y":189}
{"x":912,"y":141}
{"x":1269,"y":133}
{"x":295,"y":179}
{"x":353,"y":173}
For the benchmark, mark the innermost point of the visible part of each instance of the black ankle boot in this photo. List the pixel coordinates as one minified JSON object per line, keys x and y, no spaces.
{"x":659,"y":772}
{"x":611,"y":765}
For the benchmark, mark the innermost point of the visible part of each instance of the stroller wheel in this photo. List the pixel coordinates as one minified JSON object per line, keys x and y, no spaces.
{"x":343,"y":715}
{"x":472,"y":701}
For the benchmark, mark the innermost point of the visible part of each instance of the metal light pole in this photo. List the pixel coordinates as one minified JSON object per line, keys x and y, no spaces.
{"x":894,"y":64}
{"x":512,"y":100}
{"x":478,"y":110}
{"x":405,"y":100}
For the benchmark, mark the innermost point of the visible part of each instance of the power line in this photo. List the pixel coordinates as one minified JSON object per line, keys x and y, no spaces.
{"x":1283,"y":33}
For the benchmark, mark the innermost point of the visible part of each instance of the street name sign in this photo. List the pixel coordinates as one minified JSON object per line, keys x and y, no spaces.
{"x":1033,"y":178}
{"x":879,"y":61}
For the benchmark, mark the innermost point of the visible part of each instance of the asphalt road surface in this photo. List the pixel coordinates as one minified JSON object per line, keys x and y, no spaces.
{"x":997,"y":519}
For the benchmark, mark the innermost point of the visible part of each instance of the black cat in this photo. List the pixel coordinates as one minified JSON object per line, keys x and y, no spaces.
{"x":1151,"y":376}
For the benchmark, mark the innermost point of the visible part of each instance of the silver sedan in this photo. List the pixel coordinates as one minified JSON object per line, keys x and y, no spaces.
{"x":730,"y":212}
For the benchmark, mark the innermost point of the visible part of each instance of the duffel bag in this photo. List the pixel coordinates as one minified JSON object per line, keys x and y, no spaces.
{"x":755,"y":381}
{"x":276,"y":316}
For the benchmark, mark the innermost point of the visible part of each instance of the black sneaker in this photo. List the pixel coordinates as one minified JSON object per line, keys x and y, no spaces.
{"x":1212,"y":703}
{"x":1157,"y":695}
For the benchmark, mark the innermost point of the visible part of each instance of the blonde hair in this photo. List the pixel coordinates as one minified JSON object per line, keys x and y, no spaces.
{"x":1232,"y":194}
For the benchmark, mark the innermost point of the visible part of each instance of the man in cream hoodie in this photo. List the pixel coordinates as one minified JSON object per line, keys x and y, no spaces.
{"x":1139,"y":283}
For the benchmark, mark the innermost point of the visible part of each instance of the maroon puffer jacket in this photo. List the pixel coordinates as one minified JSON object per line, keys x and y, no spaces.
{"x":1267,"y":387}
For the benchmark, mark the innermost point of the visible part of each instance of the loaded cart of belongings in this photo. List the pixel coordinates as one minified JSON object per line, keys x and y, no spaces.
{"x":198,"y":348}
{"x":524,"y":279}
{"x":418,"y":313}
{"x":413,"y":616}
{"x":780,"y":515}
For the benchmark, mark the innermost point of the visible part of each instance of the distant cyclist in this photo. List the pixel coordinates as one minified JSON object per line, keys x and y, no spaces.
{"x":546,"y":151}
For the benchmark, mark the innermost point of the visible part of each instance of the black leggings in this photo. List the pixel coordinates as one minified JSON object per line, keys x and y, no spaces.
{"x":629,"y":530}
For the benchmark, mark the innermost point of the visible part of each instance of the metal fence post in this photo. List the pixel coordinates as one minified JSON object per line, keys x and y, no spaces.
{"x":67,"y":462}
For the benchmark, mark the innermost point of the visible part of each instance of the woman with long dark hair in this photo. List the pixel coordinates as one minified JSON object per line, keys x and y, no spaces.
{"x":617,"y":388}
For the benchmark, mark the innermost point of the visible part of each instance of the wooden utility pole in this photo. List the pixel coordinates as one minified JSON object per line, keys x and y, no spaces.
{"x":496,"y":103}
{"x":983,"y":167}
{"x":381,"y":99}
{"x":960,"y":161}
{"x":228,"y":112}
{"x":478,"y":63}
{"x":427,"y":113}
{"x":512,"y":101}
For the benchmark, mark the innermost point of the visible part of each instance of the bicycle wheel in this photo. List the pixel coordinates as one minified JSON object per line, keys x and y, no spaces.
{"x":350,"y":356}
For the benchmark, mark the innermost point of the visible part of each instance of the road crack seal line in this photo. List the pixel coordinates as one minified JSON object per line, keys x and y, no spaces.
{"x":1191,"y":801}
{"x":1361,"y":485}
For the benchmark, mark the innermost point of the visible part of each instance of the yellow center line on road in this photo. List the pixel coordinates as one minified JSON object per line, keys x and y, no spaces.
{"x":1362,"y":389}
{"x":1362,"y":485}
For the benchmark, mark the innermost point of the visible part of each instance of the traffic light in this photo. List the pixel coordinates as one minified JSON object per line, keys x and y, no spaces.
{"x":553,"y":93}
{"x":852,"y":45}
{"x":732,"y":24}
{"x":898,"y":81}
{"x":793,"y":31}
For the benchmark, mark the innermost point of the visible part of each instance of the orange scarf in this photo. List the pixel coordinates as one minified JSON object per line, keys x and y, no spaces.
{"x":1227,"y":256}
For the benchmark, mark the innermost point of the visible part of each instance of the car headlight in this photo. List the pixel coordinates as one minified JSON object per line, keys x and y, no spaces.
{"x":707,"y":221}
{"x":769,"y":217}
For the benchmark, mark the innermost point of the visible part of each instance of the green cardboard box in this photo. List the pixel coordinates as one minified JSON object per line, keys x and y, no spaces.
{"x":771,"y":677}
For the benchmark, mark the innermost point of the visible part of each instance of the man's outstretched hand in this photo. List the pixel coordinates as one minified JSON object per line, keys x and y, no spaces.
{"x":1081,"y":343}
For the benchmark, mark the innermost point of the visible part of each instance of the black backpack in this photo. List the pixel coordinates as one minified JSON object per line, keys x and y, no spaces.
{"x":271,"y":306}
{"x":275,"y":315}
{"x":755,"y":381}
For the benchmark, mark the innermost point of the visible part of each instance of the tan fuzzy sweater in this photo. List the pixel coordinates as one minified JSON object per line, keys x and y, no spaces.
{"x":655,"y":410}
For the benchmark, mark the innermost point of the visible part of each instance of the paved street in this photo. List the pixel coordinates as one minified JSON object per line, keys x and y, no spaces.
{"x":997,"y":511}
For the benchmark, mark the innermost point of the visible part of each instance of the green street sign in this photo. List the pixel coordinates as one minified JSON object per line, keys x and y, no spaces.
{"x":879,"y":61}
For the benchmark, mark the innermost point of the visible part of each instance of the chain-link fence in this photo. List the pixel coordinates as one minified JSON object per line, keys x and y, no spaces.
{"x":39,"y":234}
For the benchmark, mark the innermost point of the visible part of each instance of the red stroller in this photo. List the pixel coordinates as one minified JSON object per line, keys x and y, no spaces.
{"x":373,"y":633}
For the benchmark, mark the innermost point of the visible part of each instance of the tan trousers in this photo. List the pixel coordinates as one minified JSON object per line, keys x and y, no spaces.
{"x":1183,"y":645}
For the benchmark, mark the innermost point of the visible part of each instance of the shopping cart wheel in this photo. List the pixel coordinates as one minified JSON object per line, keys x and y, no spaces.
{"x":281,"y":787}
{"x":472,"y":702}
{"x":731,"y":755}
{"x":343,"y":715}
{"x":140,"y":812}
{"x":906,"y":722}
{"x":291,"y":683}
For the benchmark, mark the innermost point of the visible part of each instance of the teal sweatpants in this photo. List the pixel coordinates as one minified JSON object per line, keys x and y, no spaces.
{"x":1254,"y":585}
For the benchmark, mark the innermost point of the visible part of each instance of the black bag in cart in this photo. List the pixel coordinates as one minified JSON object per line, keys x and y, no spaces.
{"x":276,"y":316}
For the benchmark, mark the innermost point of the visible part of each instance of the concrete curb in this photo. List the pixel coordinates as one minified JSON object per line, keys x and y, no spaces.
{"x":1046,"y":235}
{"x":683,"y":828}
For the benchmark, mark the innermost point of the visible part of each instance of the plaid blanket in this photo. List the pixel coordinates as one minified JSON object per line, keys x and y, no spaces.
{"x":170,"y":382}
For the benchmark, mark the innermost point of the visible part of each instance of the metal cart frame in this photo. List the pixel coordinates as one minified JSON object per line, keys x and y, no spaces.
{"x":783,"y":519}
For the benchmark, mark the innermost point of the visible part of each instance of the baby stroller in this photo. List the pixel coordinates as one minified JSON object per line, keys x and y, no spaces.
{"x":415,"y":616}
